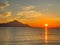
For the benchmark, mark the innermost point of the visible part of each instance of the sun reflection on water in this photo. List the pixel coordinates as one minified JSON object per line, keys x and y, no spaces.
{"x":46,"y":34}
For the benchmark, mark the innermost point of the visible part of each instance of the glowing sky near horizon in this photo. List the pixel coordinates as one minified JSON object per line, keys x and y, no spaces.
{"x":30,"y":11}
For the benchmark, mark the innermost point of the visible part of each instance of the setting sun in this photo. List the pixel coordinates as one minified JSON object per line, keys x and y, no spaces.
{"x":46,"y":24}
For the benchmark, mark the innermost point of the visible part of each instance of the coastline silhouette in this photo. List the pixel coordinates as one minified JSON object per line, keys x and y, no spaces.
{"x":14,"y":23}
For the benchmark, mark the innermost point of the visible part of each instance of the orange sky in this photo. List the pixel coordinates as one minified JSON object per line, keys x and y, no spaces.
{"x":40,"y":23}
{"x":35,"y":13}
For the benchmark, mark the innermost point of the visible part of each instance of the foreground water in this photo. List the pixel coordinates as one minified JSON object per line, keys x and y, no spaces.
{"x":28,"y":36}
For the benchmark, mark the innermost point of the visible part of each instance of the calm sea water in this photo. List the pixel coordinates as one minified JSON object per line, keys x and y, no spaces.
{"x":28,"y":36}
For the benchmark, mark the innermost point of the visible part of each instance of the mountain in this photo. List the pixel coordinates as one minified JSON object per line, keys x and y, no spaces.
{"x":14,"y":23}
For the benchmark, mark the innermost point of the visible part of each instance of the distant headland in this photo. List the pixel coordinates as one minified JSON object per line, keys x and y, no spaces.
{"x":14,"y":23}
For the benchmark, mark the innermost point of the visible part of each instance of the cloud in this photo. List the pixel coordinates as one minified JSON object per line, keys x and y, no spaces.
{"x":8,"y":14}
{"x":3,"y":5}
{"x":28,"y":7}
{"x":6,"y":20}
{"x":5,"y":14}
{"x":49,"y":5}
{"x":28,"y":13}
{"x":6,"y":17}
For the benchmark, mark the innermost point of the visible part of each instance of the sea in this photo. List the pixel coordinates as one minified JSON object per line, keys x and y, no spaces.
{"x":29,"y":36}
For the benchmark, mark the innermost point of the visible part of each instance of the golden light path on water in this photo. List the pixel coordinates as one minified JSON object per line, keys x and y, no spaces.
{"x":46,"y":34}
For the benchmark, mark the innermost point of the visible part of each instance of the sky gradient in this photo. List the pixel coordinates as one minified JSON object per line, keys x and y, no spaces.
{"x":36,"y":13}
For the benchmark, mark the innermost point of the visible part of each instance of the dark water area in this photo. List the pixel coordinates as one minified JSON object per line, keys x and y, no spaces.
{"x":28,"y":36}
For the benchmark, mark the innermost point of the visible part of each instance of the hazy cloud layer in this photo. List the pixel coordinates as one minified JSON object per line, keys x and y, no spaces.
{"x":3,"y":5}
{"x":28,"y":13}
{"x":5,"y":14}
{"x":30,"y":7}
{"x":6,"y":20}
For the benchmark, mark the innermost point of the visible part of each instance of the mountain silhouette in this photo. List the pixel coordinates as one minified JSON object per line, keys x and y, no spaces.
{"x":14,"y":23}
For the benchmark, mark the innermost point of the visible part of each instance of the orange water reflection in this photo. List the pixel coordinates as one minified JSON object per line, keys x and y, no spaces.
{"x":46,"y":36}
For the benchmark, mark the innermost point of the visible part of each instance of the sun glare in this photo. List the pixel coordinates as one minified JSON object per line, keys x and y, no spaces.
{"x":46,"y":25}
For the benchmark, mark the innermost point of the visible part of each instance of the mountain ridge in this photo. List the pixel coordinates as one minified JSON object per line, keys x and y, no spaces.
{"x":14,"y":23}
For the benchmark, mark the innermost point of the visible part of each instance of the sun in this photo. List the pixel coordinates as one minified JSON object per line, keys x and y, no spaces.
{"x":46,"y":25}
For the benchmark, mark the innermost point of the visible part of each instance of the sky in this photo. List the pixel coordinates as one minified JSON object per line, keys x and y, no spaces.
{"x":35,"y":13}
